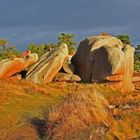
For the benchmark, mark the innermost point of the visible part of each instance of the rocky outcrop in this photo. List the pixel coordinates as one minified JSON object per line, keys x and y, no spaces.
{"x":65,"y":77}
{"x":105,"y":58}
{"x":48,"y":65}
{"x":10,"y":67}
{"x":99,"y":59}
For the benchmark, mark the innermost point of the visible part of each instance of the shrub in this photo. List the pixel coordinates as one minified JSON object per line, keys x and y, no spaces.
{"x":137,"y":62}
{"x":77,"y":117}
{"x":69,"y":40}
{"x":40,"y":49}
{"x":124,"y":38}
{"x":7,"y":51}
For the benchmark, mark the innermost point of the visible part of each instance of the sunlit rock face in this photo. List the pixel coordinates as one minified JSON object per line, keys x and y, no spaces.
{"x":48,"y":65}
{"x":105,"y":59}
{"x":9,"y":67}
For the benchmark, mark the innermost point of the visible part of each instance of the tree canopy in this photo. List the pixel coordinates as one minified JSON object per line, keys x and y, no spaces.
{"x":138,"y":47}
{"x":69,"y":40}
{"x":124,"y":38}
{"x":7,"y":50}
{"x":3,"y":43}
{"x":40,"y":48}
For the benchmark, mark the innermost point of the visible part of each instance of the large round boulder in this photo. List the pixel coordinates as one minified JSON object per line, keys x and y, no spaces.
{"x":105,"y":58}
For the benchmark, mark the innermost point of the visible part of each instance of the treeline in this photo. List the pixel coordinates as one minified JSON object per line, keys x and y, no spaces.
{"x":8,"y":51}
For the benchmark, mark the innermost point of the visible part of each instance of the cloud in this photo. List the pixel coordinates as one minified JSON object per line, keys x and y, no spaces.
{"x":28,"y":21}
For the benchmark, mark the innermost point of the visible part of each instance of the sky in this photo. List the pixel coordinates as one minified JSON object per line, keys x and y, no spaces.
{"x":41,"y":21}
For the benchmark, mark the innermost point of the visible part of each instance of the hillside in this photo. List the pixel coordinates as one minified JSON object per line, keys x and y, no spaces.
{"x":24,"y":107}
{"x":91,"y":95}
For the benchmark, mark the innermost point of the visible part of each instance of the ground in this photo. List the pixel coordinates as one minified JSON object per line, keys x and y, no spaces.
{"x":23,"y":105}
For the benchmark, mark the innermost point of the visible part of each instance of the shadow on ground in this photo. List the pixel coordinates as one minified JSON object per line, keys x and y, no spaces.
{"x":40,"y":126}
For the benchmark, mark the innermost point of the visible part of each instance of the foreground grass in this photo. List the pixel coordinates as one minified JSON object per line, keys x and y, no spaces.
{"x":23,"y":107}
{"x":21,"y":101}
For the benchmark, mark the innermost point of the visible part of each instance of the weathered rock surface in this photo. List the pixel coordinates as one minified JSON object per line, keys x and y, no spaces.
{"x":10,"y":67}
{"x":68,"y":67}
{"x":128,"y":69}
{"x":48,"y":65}
{"x":123,"y":81}
{"x":65,"y":77}
{"x":105,"y":58}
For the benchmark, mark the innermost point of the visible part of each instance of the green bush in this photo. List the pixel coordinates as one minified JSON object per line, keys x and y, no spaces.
{"x":7,"y":51}
{"x":69,"y":40}
{"x":137,"y":62}
{"x":40,"y":49}
{"x":124,"y":38}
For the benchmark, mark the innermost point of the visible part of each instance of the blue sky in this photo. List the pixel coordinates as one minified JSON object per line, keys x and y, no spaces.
{"x":41,"y":21}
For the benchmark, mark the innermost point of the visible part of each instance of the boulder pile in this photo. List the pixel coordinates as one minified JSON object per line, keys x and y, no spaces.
{"x":53,"y":65}
{"x":99,"y":59}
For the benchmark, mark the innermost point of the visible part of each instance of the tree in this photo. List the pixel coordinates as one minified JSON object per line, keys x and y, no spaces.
{"x":11,"y":52}
{"x":49,"y":47}
{"x":40,"y":49}
{"x":69,"y":40}
{"x":7,"y":51}
{"x":124,"y":38}
{"x":137,"y":62}
{"x":3,"y":43}
{"x":138,"y":47}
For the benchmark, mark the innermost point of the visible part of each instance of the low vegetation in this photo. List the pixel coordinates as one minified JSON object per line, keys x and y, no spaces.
{"x":7,"y":50}
{"x":137,"y":59}
{"x":20,"y":102}
{"x":77,"y":117}
{"x":124,"y":38}
{"x":67,"y":111}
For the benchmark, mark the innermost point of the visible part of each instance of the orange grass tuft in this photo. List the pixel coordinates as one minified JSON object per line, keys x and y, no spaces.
{"x":78,"y":112}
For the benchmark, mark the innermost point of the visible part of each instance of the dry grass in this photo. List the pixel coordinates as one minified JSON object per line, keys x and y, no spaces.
{"x":22,"y":100}
{"x":77,"y":113}
{"x":85,"y":115}
{"x":73,"y":111}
